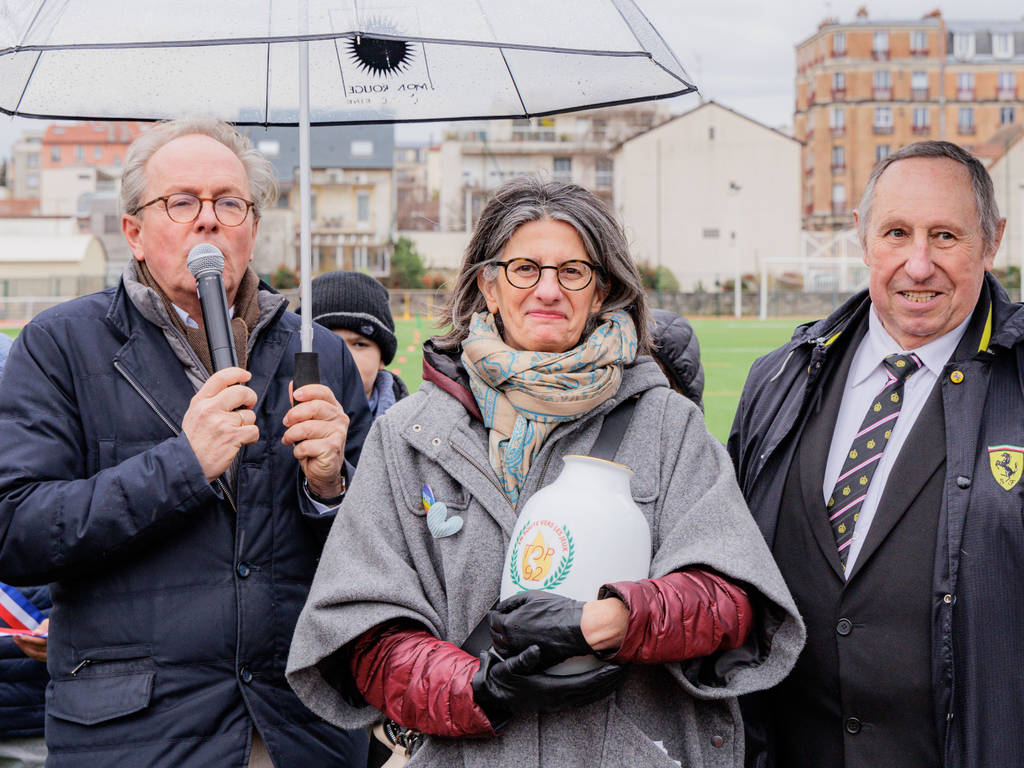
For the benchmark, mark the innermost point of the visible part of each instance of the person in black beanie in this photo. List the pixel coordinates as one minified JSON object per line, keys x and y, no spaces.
{"x":357,"y":308}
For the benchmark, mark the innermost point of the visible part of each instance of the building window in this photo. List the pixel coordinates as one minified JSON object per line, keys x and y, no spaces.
{"x":838,"y":85}
{"x":883,"y":120}
{"x":965,"y":86}
{"x":563,"y":169}
{"x":838,"y":199}
{"x":111,"y":223}
{"x":710,"y":233}
{"x":363,"y":207}
{"x":1002,"y":45}
{"x":1006,"y":88}
{"x":882,"y":151}
{"x":1007,"y":115}
{"x":883,"y":84}
{"x":32,"y":160}
{"x":79,"y":153}
{"x":97,"y":153}
{"x":838,"y":43}
{"x":965,"y":120}
{"x":361,"y":148}
{"x":269,"y":147}
{"x":837,"y":121}
{"x":918,"y":42}
{"x":880,"y":45}
{"x":963,"y":45}
{"x":604,"y":172}
{"x":919,"y":85}
{"x":838,"y":159}
{"x":920,"y":124}
{"x":55,"y":154}
{"x":32,"y":181}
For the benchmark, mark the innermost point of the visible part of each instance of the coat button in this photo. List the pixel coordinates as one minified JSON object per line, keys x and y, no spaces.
{"x":963,"y":482}
{"x":243,"y":570}
{"x":844,"y":627}
{"x":717,"y":741}
{"x":245,"y":675}
{"x":852,"y":725}
{"x":947,"y":599}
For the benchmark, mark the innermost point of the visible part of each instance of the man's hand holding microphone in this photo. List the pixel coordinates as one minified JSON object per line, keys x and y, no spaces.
{"x":221,"y":418}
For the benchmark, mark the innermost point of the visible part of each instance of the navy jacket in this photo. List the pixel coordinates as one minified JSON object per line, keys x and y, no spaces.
{"x":174,"y":598}
{"x":977,"y":638}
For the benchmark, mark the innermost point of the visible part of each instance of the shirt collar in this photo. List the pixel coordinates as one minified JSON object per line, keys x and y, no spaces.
{"x":879,"y":345}
{"x":187,"y":320}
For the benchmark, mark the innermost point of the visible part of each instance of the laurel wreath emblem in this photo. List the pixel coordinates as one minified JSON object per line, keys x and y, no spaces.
{"x":555,"y":578}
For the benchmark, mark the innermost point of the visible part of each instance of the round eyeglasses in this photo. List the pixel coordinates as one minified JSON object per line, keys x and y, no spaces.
{"x":184,"y":208}
{"x":574,"y":275}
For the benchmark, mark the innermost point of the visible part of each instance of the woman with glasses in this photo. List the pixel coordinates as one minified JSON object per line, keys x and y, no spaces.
{"x":550,"y":331}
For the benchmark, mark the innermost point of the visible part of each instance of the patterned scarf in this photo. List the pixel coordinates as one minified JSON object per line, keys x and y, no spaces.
{"x":247,"y":313}
{"x":524,"y":395}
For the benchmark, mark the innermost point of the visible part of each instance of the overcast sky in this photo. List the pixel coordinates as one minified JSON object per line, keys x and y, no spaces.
{"x":740,"y":52}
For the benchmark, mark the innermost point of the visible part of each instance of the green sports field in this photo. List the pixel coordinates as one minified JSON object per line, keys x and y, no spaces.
{"x":727,"y":346}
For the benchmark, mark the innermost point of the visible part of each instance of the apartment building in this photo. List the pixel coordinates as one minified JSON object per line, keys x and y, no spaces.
{"x":24,"y":168}
{"x":866,"y":88}
{"x":476,"y":158}
{"x":351,"y":198}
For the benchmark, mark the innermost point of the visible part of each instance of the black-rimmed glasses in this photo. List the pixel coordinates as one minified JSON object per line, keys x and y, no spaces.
{"x":184,"y":208}
{"x":574,"y":275}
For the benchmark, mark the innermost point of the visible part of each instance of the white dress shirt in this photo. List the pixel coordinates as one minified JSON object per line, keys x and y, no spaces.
{"x":866,"y":379}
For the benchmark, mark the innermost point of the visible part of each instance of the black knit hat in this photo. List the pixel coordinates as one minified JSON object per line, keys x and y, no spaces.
{"x":356,"y":302}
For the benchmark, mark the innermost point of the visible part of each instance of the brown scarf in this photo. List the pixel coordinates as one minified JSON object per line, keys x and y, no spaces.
{"x":247,"y":313}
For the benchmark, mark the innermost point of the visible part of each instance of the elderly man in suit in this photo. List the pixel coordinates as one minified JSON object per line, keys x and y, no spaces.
{"x":881,"y":451}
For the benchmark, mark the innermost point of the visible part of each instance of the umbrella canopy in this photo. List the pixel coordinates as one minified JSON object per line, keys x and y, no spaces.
{"x":327,"y":62}
{"x":369,"y":60}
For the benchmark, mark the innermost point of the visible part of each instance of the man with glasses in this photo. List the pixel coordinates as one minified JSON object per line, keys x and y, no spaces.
{"x":179,"y":513}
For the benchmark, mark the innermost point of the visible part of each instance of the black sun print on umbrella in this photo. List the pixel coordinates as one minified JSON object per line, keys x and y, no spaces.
{"x":378,"y":56}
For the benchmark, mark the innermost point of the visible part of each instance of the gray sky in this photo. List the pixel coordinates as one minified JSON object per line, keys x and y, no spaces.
{"x":741,"y":52}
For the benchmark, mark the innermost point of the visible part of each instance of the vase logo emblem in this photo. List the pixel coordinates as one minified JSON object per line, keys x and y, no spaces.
{"x":543,"y":553}
{"x":537,"y":559}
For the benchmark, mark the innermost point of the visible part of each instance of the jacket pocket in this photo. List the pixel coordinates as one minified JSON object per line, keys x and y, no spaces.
{"x":95,"y":700}
{"x":106,"y":683}
{"x":627,"y":745}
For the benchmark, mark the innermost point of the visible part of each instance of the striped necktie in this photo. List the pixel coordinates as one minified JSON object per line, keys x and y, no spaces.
{"x":868,"y":445}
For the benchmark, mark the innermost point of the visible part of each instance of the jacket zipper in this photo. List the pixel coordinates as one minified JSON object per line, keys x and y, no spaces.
{"x":170,"y":425}
{"x":488,"y":474}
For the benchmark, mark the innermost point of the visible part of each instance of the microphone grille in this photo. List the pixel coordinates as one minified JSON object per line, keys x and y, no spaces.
{"x":205,"y":258}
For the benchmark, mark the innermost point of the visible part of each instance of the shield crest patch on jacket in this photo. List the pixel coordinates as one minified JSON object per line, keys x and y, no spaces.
{"x":1007,"y":462}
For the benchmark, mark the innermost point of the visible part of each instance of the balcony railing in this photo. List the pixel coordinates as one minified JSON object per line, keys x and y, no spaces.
{"x":883,"y":94}
{"x":919,"y":94}
{"x":918,"y":51}
{"x":920,"y":130}
{"x":965,"y":130}
{"x":838,"y":94}
{"x":880,"y":54}
{"x":839,"y":209}
{"x":1006,"y":94}
{"x":965,"y":94}
{"x":881,"y":130}
{"x":837,"y":130}
{"x":841,"y":168}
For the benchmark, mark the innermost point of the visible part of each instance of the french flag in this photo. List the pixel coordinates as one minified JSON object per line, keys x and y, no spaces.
{"x":17,"y":615}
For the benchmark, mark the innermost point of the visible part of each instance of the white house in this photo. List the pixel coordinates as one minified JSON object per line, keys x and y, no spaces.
{"x":709,"y":194}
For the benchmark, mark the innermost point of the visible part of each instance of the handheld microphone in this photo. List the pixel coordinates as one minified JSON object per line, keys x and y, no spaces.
{"x":206,"y":263}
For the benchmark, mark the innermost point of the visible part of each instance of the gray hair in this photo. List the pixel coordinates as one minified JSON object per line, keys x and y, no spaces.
{"x":529,"y":198}
{"x":262,"y":185}
{"x":981,"y":182}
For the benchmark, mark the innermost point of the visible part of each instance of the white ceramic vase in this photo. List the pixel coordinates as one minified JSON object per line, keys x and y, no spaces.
{"x":580,"y":532}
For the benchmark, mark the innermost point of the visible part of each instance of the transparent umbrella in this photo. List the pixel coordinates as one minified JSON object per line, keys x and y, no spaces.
{"x":327,"y":62}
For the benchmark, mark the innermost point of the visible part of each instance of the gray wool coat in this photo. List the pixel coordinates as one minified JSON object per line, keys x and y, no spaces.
{"x":381,"y":563}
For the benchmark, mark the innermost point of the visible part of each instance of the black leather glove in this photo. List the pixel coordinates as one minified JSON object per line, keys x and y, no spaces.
{"x":506,"y":687}
{"x":549,"y":621}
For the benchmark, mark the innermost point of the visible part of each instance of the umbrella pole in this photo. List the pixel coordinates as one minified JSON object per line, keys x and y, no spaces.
{"x":307,"y":367}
